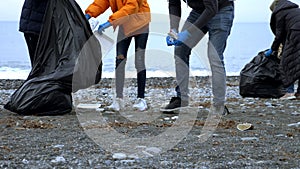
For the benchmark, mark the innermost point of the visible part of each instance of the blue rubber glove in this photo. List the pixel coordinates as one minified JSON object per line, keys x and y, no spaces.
{"x":268,"y":52}
{"x":170,"y":41}
{"x":103,"y":26}
{"x":171,"y":36}
{"x":183,"y":37}
{"x":87,"y":16}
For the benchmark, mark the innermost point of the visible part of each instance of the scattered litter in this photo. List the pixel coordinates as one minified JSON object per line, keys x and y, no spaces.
{"x":59,"y":146}
{"x":24,"y":161}
{"x":167,"y":118}
{"x":249,"y":138}
{"x":268,"y":104}
{"x":119,"y":156}
{"x":174,"y":117}
{"x":294,"y":124}
{"x":244,"y":126}
{"x":147,"y":154}
{"x":88,"y":106}
{"x":59,"y":159}
{"x":153,"y":150}
{"x":295,"y":113}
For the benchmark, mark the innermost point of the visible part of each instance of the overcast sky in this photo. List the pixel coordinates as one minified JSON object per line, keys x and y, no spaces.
{"x":245,"y":10}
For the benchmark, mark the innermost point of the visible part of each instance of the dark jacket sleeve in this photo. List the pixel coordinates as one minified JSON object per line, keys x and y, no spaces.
{"x":211,"y":9}
{"x":174,"y":13}
{"x":32,"y":16}
{"x":280,"y":33}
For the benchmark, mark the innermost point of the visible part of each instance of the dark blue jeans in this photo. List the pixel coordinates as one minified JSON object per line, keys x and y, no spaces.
{"x":291,"y":89}
{"x":218,"y":30}
{"x":122,"y":49}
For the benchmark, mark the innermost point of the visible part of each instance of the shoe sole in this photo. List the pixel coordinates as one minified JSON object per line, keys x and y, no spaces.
{"x":110,"y":109}
{"x":136,"y":109}
{"x":172,"y":111}
{"x":226,"y":111}
{"x":289,"y":98}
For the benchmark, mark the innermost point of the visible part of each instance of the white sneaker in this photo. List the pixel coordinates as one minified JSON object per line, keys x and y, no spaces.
{"x":288,"y":96}
{"x":140,"y":104}
{"x":117,"y":105}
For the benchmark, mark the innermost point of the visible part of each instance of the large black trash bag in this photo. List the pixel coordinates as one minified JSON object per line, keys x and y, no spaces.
{"x":66,"y":49}
{"x":261,"y":78}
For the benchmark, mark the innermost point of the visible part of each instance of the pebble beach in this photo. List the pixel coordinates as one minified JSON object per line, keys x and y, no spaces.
{"x":273,"y":141}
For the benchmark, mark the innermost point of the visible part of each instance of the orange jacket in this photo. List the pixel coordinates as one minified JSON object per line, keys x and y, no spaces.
{"x":130,"y":14}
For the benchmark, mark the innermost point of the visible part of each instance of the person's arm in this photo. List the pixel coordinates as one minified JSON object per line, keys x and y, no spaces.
{"x":131,"y":7}
{"x":211,"y":9}
{"x":174,"y":14}
{"x":97,"y":8}
{"x":280,"y":34}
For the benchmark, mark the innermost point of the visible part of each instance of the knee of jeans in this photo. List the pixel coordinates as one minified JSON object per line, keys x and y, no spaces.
{"x":120,"y":59}
{"x":140,"y":66}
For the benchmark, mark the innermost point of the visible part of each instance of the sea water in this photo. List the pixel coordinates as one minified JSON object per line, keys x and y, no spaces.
{"x":244,"y":42}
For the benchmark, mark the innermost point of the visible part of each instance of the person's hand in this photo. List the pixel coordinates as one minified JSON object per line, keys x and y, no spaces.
{"x":93,"y":23}
{"x":170,"y":41}
{"x":268,"y":52}
{"x":87,"y":16}
{"x":171,"y":36}
{"x":183,"y":37}
{"x":103,"y":26}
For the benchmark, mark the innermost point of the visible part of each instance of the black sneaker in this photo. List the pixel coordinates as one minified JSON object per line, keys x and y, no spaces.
{"x":174,"y":105}
{"x":226,"y":111}
{"x":217,"y":109}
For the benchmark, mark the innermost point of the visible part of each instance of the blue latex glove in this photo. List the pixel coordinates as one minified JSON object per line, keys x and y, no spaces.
{"x":103,"y":26}
{"x":171,"y":36}
{"x":87,"y":16}
{"x":183,"y":37}
{"x":170,"y":41}
{"x":268,"y":52}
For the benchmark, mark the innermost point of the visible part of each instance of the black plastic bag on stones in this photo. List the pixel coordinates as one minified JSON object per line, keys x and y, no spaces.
{"x":261,"y":78}
{"x":66,"y":49}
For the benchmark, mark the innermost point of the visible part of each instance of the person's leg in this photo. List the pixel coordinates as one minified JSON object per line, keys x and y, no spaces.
{"x":31,"y":41}
{"x":297,"y":94}
{"x":219,"y":30}
{"x":122,"y":49}
{"x":298,"y":87}
{"x":140,"y":46}
{"x":290,"y":89}
{"x":289,"y":95}
{"x":182,"y":56}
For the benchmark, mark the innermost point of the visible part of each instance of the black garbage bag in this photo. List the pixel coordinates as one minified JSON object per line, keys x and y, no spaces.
{"x":261,"y":78}
{"x":68,"y":58}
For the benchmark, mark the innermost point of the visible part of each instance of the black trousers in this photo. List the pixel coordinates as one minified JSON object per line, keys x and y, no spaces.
{"x":31,"y":41}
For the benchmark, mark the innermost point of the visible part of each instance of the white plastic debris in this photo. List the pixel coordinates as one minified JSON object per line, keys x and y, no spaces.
{"x":294,"y":124}
{"x":59,"y":159}
{"x":24,"y":161}
{"x":58,"y":146}
{"x":119,"y":156}
{"x":250,"y":139}
{"x":153,"y":150}
{"x":88,"y":106}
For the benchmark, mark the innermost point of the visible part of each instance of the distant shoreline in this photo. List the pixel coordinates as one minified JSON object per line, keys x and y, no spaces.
{"x":7,"y":84}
